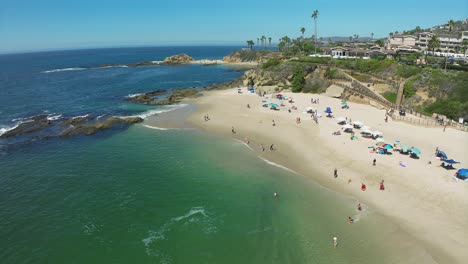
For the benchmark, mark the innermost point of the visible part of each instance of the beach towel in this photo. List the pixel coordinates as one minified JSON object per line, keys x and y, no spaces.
{"x":402,"y":164}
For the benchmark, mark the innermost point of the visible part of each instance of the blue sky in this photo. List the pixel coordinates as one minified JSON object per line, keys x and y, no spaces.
{"x":62,"y":24}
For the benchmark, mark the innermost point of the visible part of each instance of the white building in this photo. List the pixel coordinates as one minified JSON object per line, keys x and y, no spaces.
{"x":396,"y":41}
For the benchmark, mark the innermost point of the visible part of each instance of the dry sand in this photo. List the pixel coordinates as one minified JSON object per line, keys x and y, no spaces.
{"x":423,"y":199}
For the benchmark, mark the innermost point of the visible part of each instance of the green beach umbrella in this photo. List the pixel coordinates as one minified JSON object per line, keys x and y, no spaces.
{"x":415,"y":151}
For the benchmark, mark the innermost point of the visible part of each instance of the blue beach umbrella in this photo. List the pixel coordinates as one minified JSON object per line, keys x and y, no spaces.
{"x":443,"y":155}
{"x":415,"y":151}
{"x":451,"y":161}
{"x":388,"y":147}
{"x":404,"y":148}
{"x":462,"y":173}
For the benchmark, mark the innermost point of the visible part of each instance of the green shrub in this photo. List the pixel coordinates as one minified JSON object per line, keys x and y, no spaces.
{"x":298,"y":80}
{"x":271,"y":63}
{"x":390,"y":96}
{"x":408,"y":89}
{"x":331,"y":73}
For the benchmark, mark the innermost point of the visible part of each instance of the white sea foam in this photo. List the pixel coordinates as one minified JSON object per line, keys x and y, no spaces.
{"x":53,"y":117}
{"x":64,"y":69}
{"x":168,"y":108}
{"x":158,"y":236}
{"x":156,"y":128}
{"x":243,"y":143}
{"x":133,"y":95}
{"x":277,"y":165}
{"x":83,"y":116}
{"x":3,"y":130}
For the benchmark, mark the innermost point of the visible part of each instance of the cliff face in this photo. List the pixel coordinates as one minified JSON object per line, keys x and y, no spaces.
{"x":251,"y":56}
{"x":178,"y":59}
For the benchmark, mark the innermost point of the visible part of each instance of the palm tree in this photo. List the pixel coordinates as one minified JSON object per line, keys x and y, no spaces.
{"x":258,"y":41}
{"x":315,"y":16}
{"x":451,"y":24}
{"x":250,"y":43}
{"x":303,"y":30}
{"x":433,"y":44}
{"x":263,"y":38}
{"x":269,"y":41}
{"x":372,"y":36}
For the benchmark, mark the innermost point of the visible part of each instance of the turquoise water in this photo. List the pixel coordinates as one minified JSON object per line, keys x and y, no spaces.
{"x":176,"y":196}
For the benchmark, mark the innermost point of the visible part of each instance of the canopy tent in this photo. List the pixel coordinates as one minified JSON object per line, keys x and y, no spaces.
{"x":273,"y":105}
{"x":376,"y":133}
{"x":366,"y":132}
{"x":380,"y":139}
{"x":347,"y":126}
{"x":358,"y":123}
{"x":462,"y":174}
{"x":404,"y":148}
{"x":341,"y":119}
{"x":388,"y":146}
{"x":309,"y":109}
{"x":366,"y":128}
{"x":451,"y":161}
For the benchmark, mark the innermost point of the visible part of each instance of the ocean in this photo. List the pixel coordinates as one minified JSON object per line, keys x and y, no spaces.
{"x":140,"y":195}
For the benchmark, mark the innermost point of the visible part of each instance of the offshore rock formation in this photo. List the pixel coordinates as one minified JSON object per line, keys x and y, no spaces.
{"x":89,"y":129}
{"x":178,"y":59}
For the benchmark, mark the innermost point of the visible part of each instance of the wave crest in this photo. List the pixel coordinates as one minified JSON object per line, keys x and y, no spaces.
{"x":64,"y":69}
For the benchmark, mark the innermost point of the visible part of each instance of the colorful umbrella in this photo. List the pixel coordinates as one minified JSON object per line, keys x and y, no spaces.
{"x":388,"y":146}
{"x":415,"y":151}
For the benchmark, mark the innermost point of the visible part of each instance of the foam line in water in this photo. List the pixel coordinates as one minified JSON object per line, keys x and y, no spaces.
{"x":53,"y":117}
{"x":64,"y":69}
{"x":156,"y":128}
{"x":168,"y":108}
{"x":277,"y":165}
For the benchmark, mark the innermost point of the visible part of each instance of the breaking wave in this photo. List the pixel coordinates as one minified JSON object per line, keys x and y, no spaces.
{"x":64,"y":69}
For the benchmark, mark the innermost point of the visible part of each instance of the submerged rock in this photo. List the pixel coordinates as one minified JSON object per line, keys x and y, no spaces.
{"x":146,"y":98}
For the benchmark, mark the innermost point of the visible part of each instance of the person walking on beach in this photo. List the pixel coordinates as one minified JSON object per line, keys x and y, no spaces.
{"x":386,"y":119}
{"x":273,"y":123}
{"x":262,"y":147}
{"x":382,"y":186}
{"x":359,"y":207}
{"x":363,"y":187}
{"x":272,"y":147}
{"x":246,"y":139}
{"x":233,"y":131}
{"x":335,"y":173}
{"x":374,"y":161}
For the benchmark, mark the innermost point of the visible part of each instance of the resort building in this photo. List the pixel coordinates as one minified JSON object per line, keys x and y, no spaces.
{"x":398,"y":41}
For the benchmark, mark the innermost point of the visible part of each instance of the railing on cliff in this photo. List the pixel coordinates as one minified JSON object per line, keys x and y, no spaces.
{"x":428,"y":121}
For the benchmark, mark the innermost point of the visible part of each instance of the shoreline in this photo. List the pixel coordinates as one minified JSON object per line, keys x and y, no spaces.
{"x":396,"y":204}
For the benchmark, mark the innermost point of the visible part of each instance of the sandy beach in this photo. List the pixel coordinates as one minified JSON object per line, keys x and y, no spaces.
{"x":422,"y":198}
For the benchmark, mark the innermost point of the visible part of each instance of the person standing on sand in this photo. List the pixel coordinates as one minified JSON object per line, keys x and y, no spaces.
{"x":359,"y":207}
{"x":382,"y":186}
{"x":262,"y":147}
{"x":386,"y":119}
{"x":272,"y":147}
{"x":273,"y":123}
{"x":374,"y":161}
{"x":335,"y":173}
{"x":233,"y":131}
{"x":246,"y":139}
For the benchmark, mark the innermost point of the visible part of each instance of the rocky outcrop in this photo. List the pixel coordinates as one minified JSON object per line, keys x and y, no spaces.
{"x":146,"y":98}
{"x":177,"y":96}
{"x":178,"y":59}
{"x":76,"y":120}
{"x":89,"y":129}
{"x":35,"y":124}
